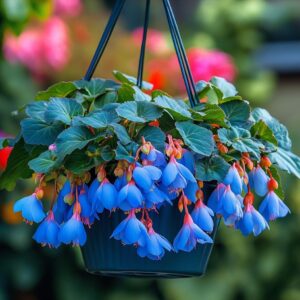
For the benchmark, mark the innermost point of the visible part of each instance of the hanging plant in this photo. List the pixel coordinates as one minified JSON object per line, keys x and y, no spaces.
{"x":148,"y":170}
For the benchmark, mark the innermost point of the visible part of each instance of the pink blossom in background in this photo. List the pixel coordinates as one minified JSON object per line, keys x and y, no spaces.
{"x":156,"y":41}
{"x":40,"y":48}
{"x":68,"y":7}
{"x":206,"y":63}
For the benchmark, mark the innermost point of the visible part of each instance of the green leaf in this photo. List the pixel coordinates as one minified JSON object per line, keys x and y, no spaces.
{"x":107,"y":154}
{"x":78,"y":162}
{"x":199,"y":139}
{"x":280,"y":131}
{"x":129,"y":93}
{"x":154,"y":135}
{"x":224,"y":89}
{"x":107,"y":98}
{"x":241,"y":140}
{"x":36,"y":110}
{"x":237,"y":112}
{"x":44,"y":163}
{"x":286,"y":161}
{"x":177,"y":110}
{"x":261,"y":131}
{"x":97,"y":119}
{"x":126,"y":153}
{"x":73,"y":138}
{"x":60,"y":90}
{"x":139,"y":112}
{"x":38,"y":132}
{"x":131,"y":80}
{"x":17,"y":165}
{"x":211,"y":168}
{"x":63,"y":110}
{"x":95,"y":87}
{"x":213,"y":114}
{"x":121,"y":133}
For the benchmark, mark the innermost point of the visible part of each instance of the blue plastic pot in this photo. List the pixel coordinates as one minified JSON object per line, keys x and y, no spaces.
{"x":105,"y":256}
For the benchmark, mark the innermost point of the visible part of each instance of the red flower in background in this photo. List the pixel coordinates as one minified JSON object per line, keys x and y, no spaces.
{"x":4,"y":155}
{"x":206,"y":64}
{"x":156,"y":41}
{"x":68,"y":7}
{"x":40,"y":48}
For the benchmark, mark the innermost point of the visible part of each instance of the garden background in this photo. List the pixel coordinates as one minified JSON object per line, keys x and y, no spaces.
{"x":254,"y":43}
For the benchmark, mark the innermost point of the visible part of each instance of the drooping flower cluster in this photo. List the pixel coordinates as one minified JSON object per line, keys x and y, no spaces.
{"x":233,"y":198}
{"x":154,"y":179}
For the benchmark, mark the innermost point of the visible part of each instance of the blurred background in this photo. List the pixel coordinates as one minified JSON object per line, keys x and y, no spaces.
{"x":253,"y":43}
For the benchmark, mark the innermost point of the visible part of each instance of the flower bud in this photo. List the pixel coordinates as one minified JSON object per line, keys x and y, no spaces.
{"x":249,"y":199}
{"x":199,"y":195}
{"x":272,"y":184}
{"x":69,"y":199}
{"x":146,"y":148}
{"x":222,"y":148}
{"x":39,"y":193}
{"x":265,"y":162}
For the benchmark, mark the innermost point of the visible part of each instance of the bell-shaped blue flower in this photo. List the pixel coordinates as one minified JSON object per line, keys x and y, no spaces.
{"x":188,"y":160}
{"x":272,"y":207}
{"x":176,"y":175}
{"x":120,"y":182}
{"x":191,"y":190}
{"x":131,"y":231}
{"x":202,"y":216}
{"x":154,"y":246}
{"x":189,"y":235}
{"x":31,"y":208}
{"x":155,"y":158}
{"x":145,"y":176}
{"x":86,"y":206}
{"x":234,"y":179}
{"x":214,"y":201}
{"x":106,"y":196}
{"x":130,"y":197}
{"x":73,"y":231}
{"x":155,"y":196}
{"x":47,"y":232}
{"x":251,"y":222}
{"x":258,"y":181}
{"x":231,"y":208}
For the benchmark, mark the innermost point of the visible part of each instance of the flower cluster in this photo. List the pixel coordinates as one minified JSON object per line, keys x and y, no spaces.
{"x":233,"y":199}
{"x":153,"y":180}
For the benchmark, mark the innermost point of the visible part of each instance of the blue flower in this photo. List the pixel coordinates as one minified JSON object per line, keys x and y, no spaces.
{"x":258,"y":181}
{"x":47,"y":232}
{"x":155,"y":157}
{"x":189,"y":235}
{"x":154,"y":246}
{"x":155,"y":196}
{"x":131,"y":231}
{"x":73,"y":231}
{"x":130,"y":197}
{"x":120,"y":182}
{"x":191,"y":190}
{"x":272,"y":207}
{"x":146,"y":176}
{"x":86,"y":206}
{"x":214,"y":201}
{"x":234,"y":180}
{"x":188,"y":160}
{"x":252,"y":222}
{"x":31,"y":208}
{"x":202,"y":216}
{"x":176,"y":175}
{"x":106,"y":196}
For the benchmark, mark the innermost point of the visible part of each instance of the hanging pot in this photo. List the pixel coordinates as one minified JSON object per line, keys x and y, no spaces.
{"x":106,"y":256}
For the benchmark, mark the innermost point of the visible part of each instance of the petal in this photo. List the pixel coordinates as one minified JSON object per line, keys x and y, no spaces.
{"x":182,"y":238}
{"x":132,"y":231}
{"x":154,"y":172}
{"x":203,"y":219}
{"x":142,"y":178}
{"x":169,"y":174}
{"x":153,"y":246}
{"x":135,"y":197}
{"x":260,"y":180}
{"x":107,"y":195}
{"x":200,"y":235}
{"x":229,"y":201}
{"x":214,"y":201}
{"x":86,"y":208}
{"x":191,"y":190}
{"x":186,"y":173}
{"x":259,"y":222}
{"x":119,"y":229}
{"x":164,"y":242}
{"x":188,"y":160}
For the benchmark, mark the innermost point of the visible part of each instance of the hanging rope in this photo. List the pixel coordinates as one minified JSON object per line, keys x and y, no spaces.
{"x":181,"y":55}
{"x":143,"y":46}
{"x":105,"y":38}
